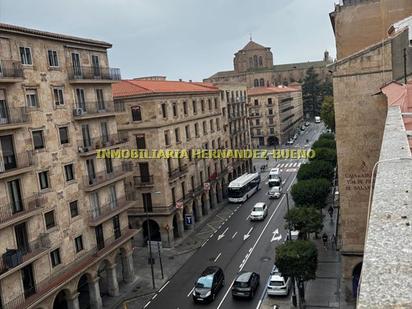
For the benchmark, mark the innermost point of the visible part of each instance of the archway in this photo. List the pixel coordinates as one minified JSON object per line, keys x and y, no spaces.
{"x":103,"y":277}
{"x":84,"y":293}
{"x":211,"y":200}
{"x":204,"y":207}
{"x":175,"y":227}
{"x":119,"y":266}
{"x":194,"y":211}
{"x":154,"y":231}
{"x":355,"y":279}
{"x":60,"y":301}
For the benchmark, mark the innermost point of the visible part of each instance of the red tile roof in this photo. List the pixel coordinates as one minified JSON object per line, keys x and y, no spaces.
{"x":271,"y":90}
{"x":132,"y":87}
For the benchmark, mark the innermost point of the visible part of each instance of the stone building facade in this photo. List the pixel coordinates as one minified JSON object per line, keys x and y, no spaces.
{"x":275,"y":114}
{"x":360,"y":113}
{"x":253,"y":65}
{"x":176,"y":193}
{"x":64,"y":235}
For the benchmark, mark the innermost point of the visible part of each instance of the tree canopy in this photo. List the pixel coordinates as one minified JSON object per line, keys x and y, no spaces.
{"x":324,"y":143}
{"x":311,"y":192}
{"x":316,"y":169}
{"x":305,"y":219}
{"x":327,"y":112}
{"x":325,"y":154}
{"x":311,"y":91}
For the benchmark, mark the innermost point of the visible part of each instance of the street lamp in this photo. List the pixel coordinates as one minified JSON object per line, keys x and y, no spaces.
{"x":150,"y":243}
{"x":294,"y":302}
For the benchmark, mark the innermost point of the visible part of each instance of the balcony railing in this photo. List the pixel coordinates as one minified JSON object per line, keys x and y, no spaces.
{"x":93,"y":73}
{"x":103,"y":211}
{"x":101,"y":177}
{"x":143,"y":181}
{"x":69,"y":271}
{"x":10,"y":69}
{"x":103,"y":141}
{"x":14,"y":162}
{"x":29,"y":251}
{"x":12,"y":210}
{"x":13,"y":116}
{"x":93,"y":108}
{"x":178,"y":172}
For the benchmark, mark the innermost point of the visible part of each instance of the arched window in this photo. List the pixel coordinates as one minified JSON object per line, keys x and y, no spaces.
{"x":262,"y":82}
{"x":250,"y":62}
{"x":256,"y":83}
{"x":255,"y":61}
{"x":260,"y":61}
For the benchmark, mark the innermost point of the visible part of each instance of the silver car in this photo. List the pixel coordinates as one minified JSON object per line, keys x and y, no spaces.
{"x":275,"y":192}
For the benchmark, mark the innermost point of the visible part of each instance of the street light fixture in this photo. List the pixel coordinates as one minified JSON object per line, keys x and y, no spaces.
{"x":150,"y":242}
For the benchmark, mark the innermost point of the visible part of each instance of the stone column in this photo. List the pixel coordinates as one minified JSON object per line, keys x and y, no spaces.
{"x":207,"y":204}
{"x":214,"y":200}
{"x":73,"y":301}
{"x":167,"y":237}
{"x":94,"y":293}
{"x":180,"y":227}
{"x":112,"y":284}
{"x":220,"y":193}
{"x":198,"y":206}
{"x":128,"y":268}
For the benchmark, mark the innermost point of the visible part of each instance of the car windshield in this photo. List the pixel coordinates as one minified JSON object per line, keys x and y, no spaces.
{"x":276,"y":283}
{"x":240,"y":284}
{"x":205,"y":282}
{"x":275,"y":189}
{"x":258,"y":208}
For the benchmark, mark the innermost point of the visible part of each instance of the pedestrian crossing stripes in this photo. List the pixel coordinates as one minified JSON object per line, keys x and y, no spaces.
{"x":288,"y":165}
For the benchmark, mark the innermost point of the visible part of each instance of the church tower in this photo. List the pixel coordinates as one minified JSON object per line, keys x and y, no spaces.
{"x":251,"y":57}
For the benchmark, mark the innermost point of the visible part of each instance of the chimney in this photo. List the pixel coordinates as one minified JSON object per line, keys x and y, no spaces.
{"x":190,"y":80}
{"x":180,"y":79}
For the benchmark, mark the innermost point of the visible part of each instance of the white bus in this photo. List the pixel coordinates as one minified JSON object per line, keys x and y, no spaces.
{"x":274,"y":177}
{"x":243,"y":187}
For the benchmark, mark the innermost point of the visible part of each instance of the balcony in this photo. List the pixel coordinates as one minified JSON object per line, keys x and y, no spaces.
{"x":16,"y":164}
{"x":10,"y":71}
{"x":101,"y":179}
{"x":32,"y":251}
{"x":57,"y":280}
{"x":13,"y":212}
{"x":143,"y":181}
{"x":178,"y":172}
{"x":107,"y":211}
{"x":92,"y":110}
{"x":91,"y":74}
{"x":89,"y":146}
{"x":14,"y":118}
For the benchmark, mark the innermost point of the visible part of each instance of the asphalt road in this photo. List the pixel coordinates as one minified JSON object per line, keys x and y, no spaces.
{"x":238,"y":245}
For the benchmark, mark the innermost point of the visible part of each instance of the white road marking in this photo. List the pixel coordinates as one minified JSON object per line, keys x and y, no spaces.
{"x":248,"y":234}
{"x":224,"y":296}
{"x":191,"y":291}
{"x":154,"y":296}
{"x":223,"y":234}
{"x":300,"y":163}
{"x":164,"y":285}
{"x":247,"y":218}
{"x":146,"y":305}
{"x":259,"y":303}
{"x":234,"y":235}
{"x":295,"y":164}
{"x":217,"y":257}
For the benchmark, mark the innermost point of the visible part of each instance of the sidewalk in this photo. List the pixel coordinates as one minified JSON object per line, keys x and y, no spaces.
{"x":140,"y":292}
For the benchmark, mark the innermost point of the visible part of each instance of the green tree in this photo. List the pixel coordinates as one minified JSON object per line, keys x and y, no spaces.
{"x":327,"y":136}
{"x":305,"y":219}
{"x":327,"y":112}
{"x":324,"y":143}
{"x":316,"y":169}
{"x":325,"y":154}
{"x":311,"y":192}
{"x":327,"y":87}
{"x":311,"y":92}
{"x":297,"y":259}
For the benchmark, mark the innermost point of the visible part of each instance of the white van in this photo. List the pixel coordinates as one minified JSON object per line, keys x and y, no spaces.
{"x":317,"y":119}
{"x":274,"y":177}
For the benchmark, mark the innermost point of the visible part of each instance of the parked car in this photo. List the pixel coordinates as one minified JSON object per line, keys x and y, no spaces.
{"x":279,"y":285}
{"x":259,"y":212}
{"x":275,"y":192}
{"x":208,"y":284}
{"x":245,"y":284}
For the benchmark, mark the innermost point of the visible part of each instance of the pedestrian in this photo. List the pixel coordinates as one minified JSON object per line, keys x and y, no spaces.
{"x":333,"y":241}
{"x":325,"y":240}
{"x":330,"y":211}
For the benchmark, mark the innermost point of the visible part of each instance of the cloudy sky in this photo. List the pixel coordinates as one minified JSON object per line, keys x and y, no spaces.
{"x":188,"y":39}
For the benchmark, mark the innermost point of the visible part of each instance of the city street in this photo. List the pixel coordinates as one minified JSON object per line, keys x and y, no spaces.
{"x":238,"y":244}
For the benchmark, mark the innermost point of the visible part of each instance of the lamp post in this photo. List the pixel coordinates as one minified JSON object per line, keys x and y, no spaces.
{"x":294,"y":302}
{"x":150,"y":243}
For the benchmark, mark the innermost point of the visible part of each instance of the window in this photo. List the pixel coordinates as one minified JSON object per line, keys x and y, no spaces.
{"x":116,"y":227}
{"x":58,"y":96}
{"x":136,"y":113}
{"x":218,"y":124}
{"x":269,"y":101}
{"x":185,"y":107}
{"x":224,"y":111}
{"x":209,"y":103}
{"x":64,"y":135}
{"x":270,"y":111}
{"x":147,"y":202}
{"x":204,"y":127}
{"x":31,"y":98}
{"x":194,"y":106}
{"x":167,"y":138}
{"x":105,"y":132}
{"x":164,"y":110}
{"x":25,"y":55}
{"x":260,"y":61}
{"x":196,"y":129}
{"x":216,"y":106}
{"x":212,"y":129}
{"x":55,"y":257}
{"x":173,"y":196}
{"x":256,"y":102}
{"x":69,"y":172}
{"x":53,"y":59}
{"x":177,"y":135}
{"x":100,"y":100}
{"x":262,"y":82}
{"x":174,"y":108}
{"x":44,"y":180}
{"x":74,"y":209}
{"x":255,"y":61}
{"x":192,"y":182}
{"x":140,"y":142}
{"x":257,"y":121}
{"x":78,"y":243}
{"x":49,"y":218}
{"x":202,"y":105}
{"x":187,"y":132}
{"x":183,"y":185}
{"x":109,"y":165}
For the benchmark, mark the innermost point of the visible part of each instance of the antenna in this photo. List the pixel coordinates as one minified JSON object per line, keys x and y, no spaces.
{"x":250,"y":36}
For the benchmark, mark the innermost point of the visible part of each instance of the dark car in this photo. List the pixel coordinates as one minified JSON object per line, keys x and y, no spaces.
{"x":245,"y":284}
{"x":208,"y":285}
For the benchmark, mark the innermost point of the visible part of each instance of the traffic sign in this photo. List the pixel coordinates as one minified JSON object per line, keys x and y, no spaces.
{"x":188,"y":219}
{"x":206,"y":186}
{"x":179,"y":205}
